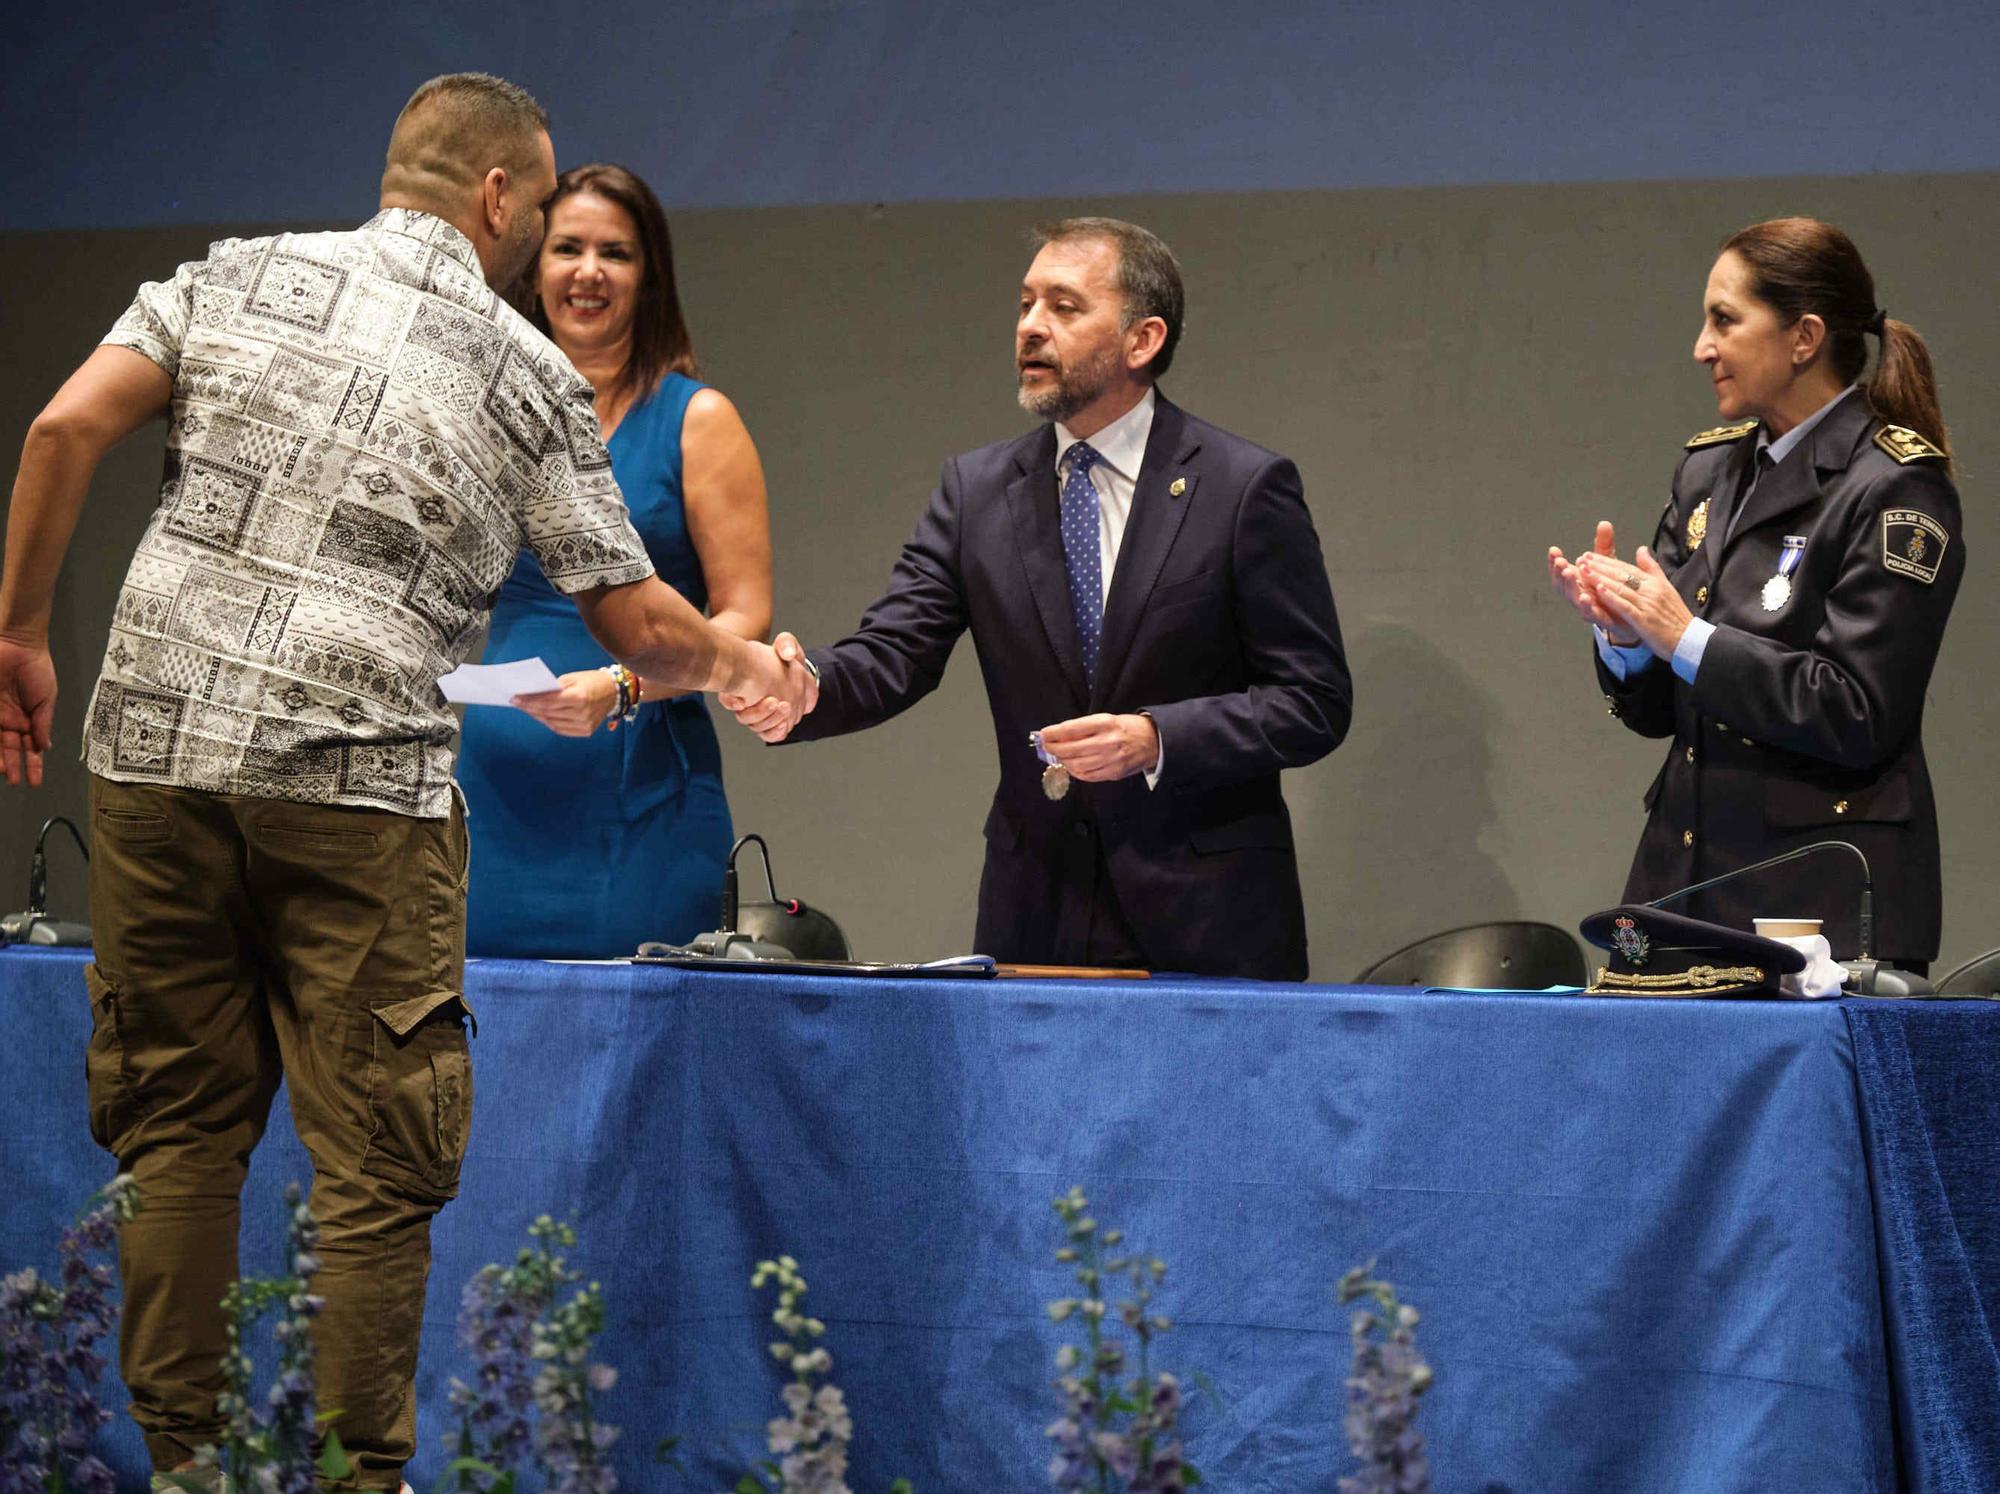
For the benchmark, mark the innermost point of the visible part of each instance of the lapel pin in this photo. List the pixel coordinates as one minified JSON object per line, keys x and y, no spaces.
{"x":1177,"y":487}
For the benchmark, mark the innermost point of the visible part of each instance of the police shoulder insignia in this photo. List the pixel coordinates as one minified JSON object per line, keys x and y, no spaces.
{"x":1913,"y":543}
{"x":1721,"y":433}
{"x":1905,"y":445}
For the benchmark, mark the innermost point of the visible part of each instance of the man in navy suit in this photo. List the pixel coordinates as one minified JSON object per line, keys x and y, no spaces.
{"x":1146,"y":592}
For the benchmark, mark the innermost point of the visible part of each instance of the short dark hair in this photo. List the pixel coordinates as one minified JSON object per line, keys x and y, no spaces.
{"x":1149,"y":277}
{"x":660,"y":341}
{"x":459,"y":125}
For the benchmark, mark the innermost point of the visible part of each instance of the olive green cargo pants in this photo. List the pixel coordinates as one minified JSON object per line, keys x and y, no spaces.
{"x":240,"y":941}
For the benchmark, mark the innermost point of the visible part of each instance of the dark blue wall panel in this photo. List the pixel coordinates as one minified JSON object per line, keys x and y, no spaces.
{"x":264,"y":112}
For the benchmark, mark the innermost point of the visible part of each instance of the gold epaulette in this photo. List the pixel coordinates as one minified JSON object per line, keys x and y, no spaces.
{"x":1720,"y":434}
{"x":1906,"y":446}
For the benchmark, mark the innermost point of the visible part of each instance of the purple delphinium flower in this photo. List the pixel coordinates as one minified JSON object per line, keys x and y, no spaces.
{"x":1093,"y":1446}
{"x":496,"y":1324}
{"x":1388,"y":1379}
{"x":530,"y":1355}
{"x":271,"y":1449}
{"x":810,"y":1440}
{"x":570,"y":1442}
{"x":49,"y":1332}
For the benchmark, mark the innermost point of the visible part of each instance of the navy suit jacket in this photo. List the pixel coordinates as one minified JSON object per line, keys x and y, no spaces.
{"x":1220,"y":622}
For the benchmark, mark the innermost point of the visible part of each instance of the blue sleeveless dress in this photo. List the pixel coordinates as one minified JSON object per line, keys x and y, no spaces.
{"x":585,"y":847}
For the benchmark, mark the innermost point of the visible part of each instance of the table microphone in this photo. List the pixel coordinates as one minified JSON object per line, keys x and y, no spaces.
{"x":1865,"y":976}
{"x":726,"y":943}
{"x":34,"y":926}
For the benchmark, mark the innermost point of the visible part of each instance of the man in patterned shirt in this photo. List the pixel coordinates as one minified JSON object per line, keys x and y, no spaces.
{"x":360,"y":437}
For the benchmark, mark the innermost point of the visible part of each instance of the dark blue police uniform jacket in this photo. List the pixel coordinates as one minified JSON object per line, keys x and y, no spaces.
{"x":1805,"y":720}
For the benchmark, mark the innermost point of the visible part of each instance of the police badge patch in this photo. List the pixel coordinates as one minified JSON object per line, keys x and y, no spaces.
{"x":1697,"y":526}
{"x":1629,"y":940}
{"x":1913,"y":543}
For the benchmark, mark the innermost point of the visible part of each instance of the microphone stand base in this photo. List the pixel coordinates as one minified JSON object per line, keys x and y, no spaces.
{"x":1873,"y":978}
{"x":40,"y":929}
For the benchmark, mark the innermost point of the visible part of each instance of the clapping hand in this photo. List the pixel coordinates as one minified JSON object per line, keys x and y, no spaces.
{"x":1641,"y":601}
{"x":1576,"y":583}
{"x":788,"y":699}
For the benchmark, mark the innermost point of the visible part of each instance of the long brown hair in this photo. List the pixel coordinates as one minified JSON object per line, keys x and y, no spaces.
{"x":1801,"y":266}
{"x":660,"y":341}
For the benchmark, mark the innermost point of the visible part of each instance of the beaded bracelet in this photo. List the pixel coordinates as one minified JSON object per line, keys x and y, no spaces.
{"x":630,"y":692}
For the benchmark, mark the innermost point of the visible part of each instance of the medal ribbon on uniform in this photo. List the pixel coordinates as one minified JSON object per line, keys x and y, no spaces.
{"x":1778,"y":590}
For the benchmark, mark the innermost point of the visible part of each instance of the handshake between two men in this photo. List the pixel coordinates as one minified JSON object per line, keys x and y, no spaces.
{"x":1096,"y":748}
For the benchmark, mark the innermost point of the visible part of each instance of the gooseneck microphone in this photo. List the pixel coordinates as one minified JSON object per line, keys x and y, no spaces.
{"x":1866,"y":976}
{"x":34,"y":926}
{"x":1867,"y":882}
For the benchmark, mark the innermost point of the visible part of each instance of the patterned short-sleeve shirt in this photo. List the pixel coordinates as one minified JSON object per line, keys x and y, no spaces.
{"x":362,"y":438}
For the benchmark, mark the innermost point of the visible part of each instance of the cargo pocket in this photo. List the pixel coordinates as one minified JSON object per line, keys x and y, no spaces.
{"x":104,"y":1064}
{"x":419,"y":1093}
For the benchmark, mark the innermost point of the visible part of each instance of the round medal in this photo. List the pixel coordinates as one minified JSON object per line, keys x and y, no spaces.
{"x":1055,"y":780}
{"x":1777,"y":592}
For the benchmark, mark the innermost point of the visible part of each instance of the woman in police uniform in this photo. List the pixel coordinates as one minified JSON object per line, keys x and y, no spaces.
{"x":1783,"y":626}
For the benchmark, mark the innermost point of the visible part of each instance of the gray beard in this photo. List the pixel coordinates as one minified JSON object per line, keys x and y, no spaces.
{"x":1070,"y":393}
{"x":1057,"y":403}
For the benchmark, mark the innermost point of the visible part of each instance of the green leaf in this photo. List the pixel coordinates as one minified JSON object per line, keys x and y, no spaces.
{"x":749,"y":1484}
{"x":333,"y":1457}
{"x":902,"y":1486}
{"x":1190,"y":1475}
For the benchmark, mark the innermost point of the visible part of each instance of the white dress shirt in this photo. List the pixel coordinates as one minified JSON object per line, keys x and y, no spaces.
{"x":1121,"y":446}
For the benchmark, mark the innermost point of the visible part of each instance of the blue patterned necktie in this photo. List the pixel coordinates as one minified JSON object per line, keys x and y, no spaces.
{"x":1081,"y":557}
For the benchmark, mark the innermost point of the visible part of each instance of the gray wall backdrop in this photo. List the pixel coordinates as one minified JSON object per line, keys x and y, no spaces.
{"x":1464,"y":376}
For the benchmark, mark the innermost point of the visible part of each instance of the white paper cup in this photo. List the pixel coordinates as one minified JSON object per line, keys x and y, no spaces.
{"x":1786,"y":928}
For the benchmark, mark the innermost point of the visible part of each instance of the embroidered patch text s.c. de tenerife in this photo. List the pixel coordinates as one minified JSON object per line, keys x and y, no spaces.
{"x":1913,"y":543}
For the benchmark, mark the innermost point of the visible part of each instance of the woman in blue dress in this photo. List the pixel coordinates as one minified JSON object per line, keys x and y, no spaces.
{"x":597,"y":813}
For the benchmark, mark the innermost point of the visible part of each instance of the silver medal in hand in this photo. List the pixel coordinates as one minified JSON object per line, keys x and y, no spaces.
{"x":1055,"y":777}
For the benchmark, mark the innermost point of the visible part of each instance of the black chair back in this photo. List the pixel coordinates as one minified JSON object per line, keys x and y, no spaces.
{"x":1516,"y":955}
{"x":1980,"y":977}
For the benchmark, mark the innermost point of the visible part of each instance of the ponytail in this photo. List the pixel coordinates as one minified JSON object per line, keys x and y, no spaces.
{"x":1902,"y":389}
{"x":1801,"y":266}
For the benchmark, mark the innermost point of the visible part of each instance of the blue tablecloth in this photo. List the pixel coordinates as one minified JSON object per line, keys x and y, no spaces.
{"x":1659,"y":1246}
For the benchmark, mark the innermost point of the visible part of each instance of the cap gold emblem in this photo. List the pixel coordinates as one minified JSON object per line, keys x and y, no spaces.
{"x":1630,"y":940}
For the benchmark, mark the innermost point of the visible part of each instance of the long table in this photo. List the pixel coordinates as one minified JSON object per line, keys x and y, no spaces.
{"x":1658,"y":1246}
